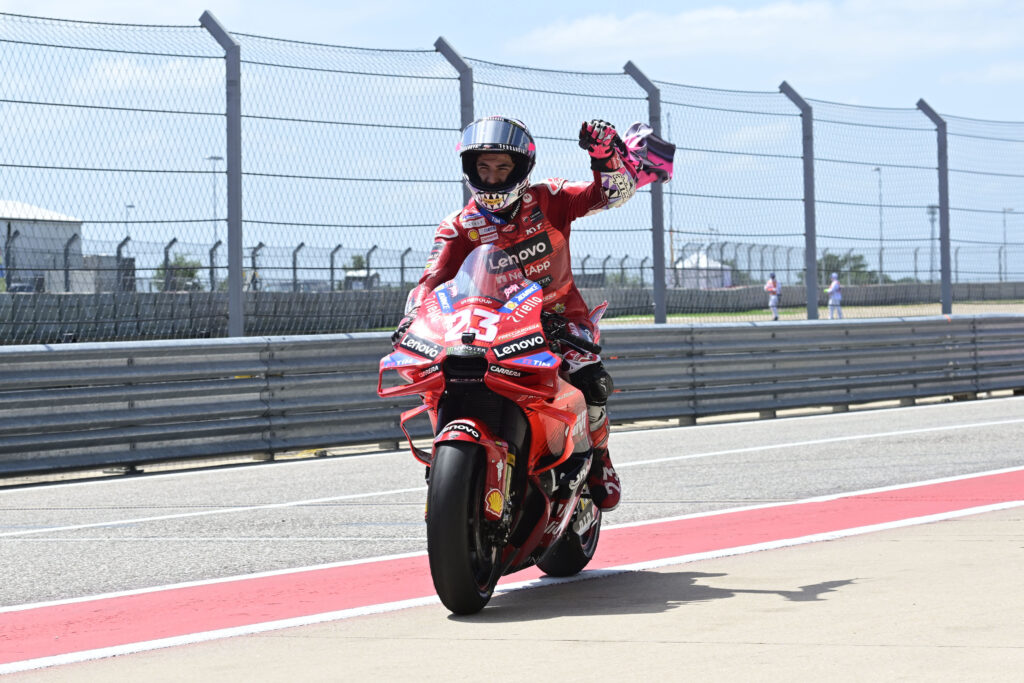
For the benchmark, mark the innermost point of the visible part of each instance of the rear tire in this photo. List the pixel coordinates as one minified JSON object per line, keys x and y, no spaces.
{"x":572,"y":552}
{"x":463,"y":563}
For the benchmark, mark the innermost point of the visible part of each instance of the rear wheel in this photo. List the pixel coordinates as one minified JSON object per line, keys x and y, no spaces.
{"x":572,"y":552}
{"x":463,"y":561}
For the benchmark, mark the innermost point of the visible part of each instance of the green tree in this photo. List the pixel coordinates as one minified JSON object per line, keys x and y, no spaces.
{"x":852,"y":269}
{"x":182,"y":276}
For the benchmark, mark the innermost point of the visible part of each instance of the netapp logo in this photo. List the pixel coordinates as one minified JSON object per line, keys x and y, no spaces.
{"x":519,"y":346}
{"x":459,"y":427}
{"x":420,"y":346}
{"x":525,"y":252}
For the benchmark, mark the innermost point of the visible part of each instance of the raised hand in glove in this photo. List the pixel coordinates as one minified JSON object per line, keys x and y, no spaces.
{"x":400,"y":331}
{"x":599,"y":138}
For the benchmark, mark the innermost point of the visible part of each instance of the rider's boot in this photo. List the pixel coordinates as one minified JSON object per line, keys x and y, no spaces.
{"x":602,"y":480}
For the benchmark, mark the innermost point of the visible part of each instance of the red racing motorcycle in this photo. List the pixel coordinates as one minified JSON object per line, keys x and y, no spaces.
{"x":508,"y":468}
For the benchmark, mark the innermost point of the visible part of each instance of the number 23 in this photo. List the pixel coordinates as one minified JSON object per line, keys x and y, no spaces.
{"x":485,"y":330}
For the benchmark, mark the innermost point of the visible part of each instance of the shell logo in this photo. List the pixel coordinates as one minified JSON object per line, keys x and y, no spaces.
{"x":474,"y":235}
{"x":495,"y":501}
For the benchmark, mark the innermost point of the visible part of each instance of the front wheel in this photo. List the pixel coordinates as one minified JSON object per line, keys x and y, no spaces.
{"x":463,"y":561}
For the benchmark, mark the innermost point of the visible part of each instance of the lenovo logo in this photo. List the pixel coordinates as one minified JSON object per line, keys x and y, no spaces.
{"x":460,"y":427}
{"x":525,"y":252}
{"x":519,"y":346}
{"x":420,"y":346}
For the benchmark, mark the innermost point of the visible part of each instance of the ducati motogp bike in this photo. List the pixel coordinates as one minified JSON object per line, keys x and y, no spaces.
{"x":507,"y":470}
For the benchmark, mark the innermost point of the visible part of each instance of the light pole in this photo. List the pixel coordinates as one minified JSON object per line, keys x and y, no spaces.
{"x":214,"y":159}
{"x":1006,"y":263}
{"x":127,"y":207}
{"x":933,"y":211}
{"x":881,"y":267}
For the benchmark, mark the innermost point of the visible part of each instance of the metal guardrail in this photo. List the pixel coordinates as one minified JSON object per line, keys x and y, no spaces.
{"x":85,"y":406}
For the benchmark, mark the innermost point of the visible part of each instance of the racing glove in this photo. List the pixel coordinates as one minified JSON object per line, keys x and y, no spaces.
{"x":554,"y":327}
{"x":600,"y":140}
{"x":400,"y":331}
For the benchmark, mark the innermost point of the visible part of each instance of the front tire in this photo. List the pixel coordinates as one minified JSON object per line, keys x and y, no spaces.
{"x":463,"y":562}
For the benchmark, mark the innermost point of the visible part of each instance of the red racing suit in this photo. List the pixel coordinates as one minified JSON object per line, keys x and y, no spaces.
{"x":537,"y":235}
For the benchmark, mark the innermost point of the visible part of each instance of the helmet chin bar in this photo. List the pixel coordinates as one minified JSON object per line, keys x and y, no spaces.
{"x":495,"y":202}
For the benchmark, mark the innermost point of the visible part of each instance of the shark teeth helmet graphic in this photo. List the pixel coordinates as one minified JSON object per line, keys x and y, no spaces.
{"x":501,"y":135}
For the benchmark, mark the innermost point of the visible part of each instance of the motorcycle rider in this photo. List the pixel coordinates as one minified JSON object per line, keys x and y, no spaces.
{"x":532,"y":223}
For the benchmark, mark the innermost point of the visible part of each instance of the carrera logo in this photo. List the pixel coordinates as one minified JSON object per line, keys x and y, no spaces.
{"x":460,"y":427}
{"x":524,"y":252}
{"x":519,"y":346}
{"x":420,"y":346}
{"x":497,"y":369}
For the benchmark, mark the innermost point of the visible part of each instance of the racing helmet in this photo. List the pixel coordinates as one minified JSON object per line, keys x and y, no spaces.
{"x":502,"y":135}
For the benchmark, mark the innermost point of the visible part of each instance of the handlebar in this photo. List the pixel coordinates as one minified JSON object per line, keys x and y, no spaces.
{"x":556,"y":329}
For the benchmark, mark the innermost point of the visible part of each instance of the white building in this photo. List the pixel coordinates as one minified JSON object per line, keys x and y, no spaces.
{"x":699,"y":271}
{"x":42,"y":249}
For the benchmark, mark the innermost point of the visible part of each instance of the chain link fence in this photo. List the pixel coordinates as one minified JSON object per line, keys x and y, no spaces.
{"x":116,"y":210}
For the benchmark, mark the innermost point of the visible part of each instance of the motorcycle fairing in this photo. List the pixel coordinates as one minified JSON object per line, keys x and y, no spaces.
{"x":520,"y":297}
{"x":407,"y":415}
{"x":499,"y":461}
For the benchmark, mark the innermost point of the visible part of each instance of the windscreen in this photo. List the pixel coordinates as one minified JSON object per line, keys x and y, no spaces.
{"x":490,"y":272}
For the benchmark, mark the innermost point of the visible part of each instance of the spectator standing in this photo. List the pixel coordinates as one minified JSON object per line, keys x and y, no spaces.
{"x":773,"y":289}
{"x":835,"y":297}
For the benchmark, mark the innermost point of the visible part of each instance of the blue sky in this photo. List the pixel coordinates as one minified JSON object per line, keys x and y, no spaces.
{"x":963,"y":56}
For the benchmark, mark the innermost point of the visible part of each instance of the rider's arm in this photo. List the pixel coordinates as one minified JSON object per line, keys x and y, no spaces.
{"x":614,"y":182}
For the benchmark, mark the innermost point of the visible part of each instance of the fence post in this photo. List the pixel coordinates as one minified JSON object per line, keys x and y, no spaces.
{"x":67,"y":261}
{"x":944,"y":260}
{"x":810,"y":218}
{"x":213,"y":266}
{"x":333,"y":253}
{"x":8,"y":243}
{"x":657,"y":197}
{"x":233,"y":155}
{"x":295,"y":266}
{"x":401,"y":266}
{"x":465,"y":91}
{"x":167,"y":264}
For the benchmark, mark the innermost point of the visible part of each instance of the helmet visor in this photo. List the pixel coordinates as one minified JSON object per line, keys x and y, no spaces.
{"x":496,"y":134}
